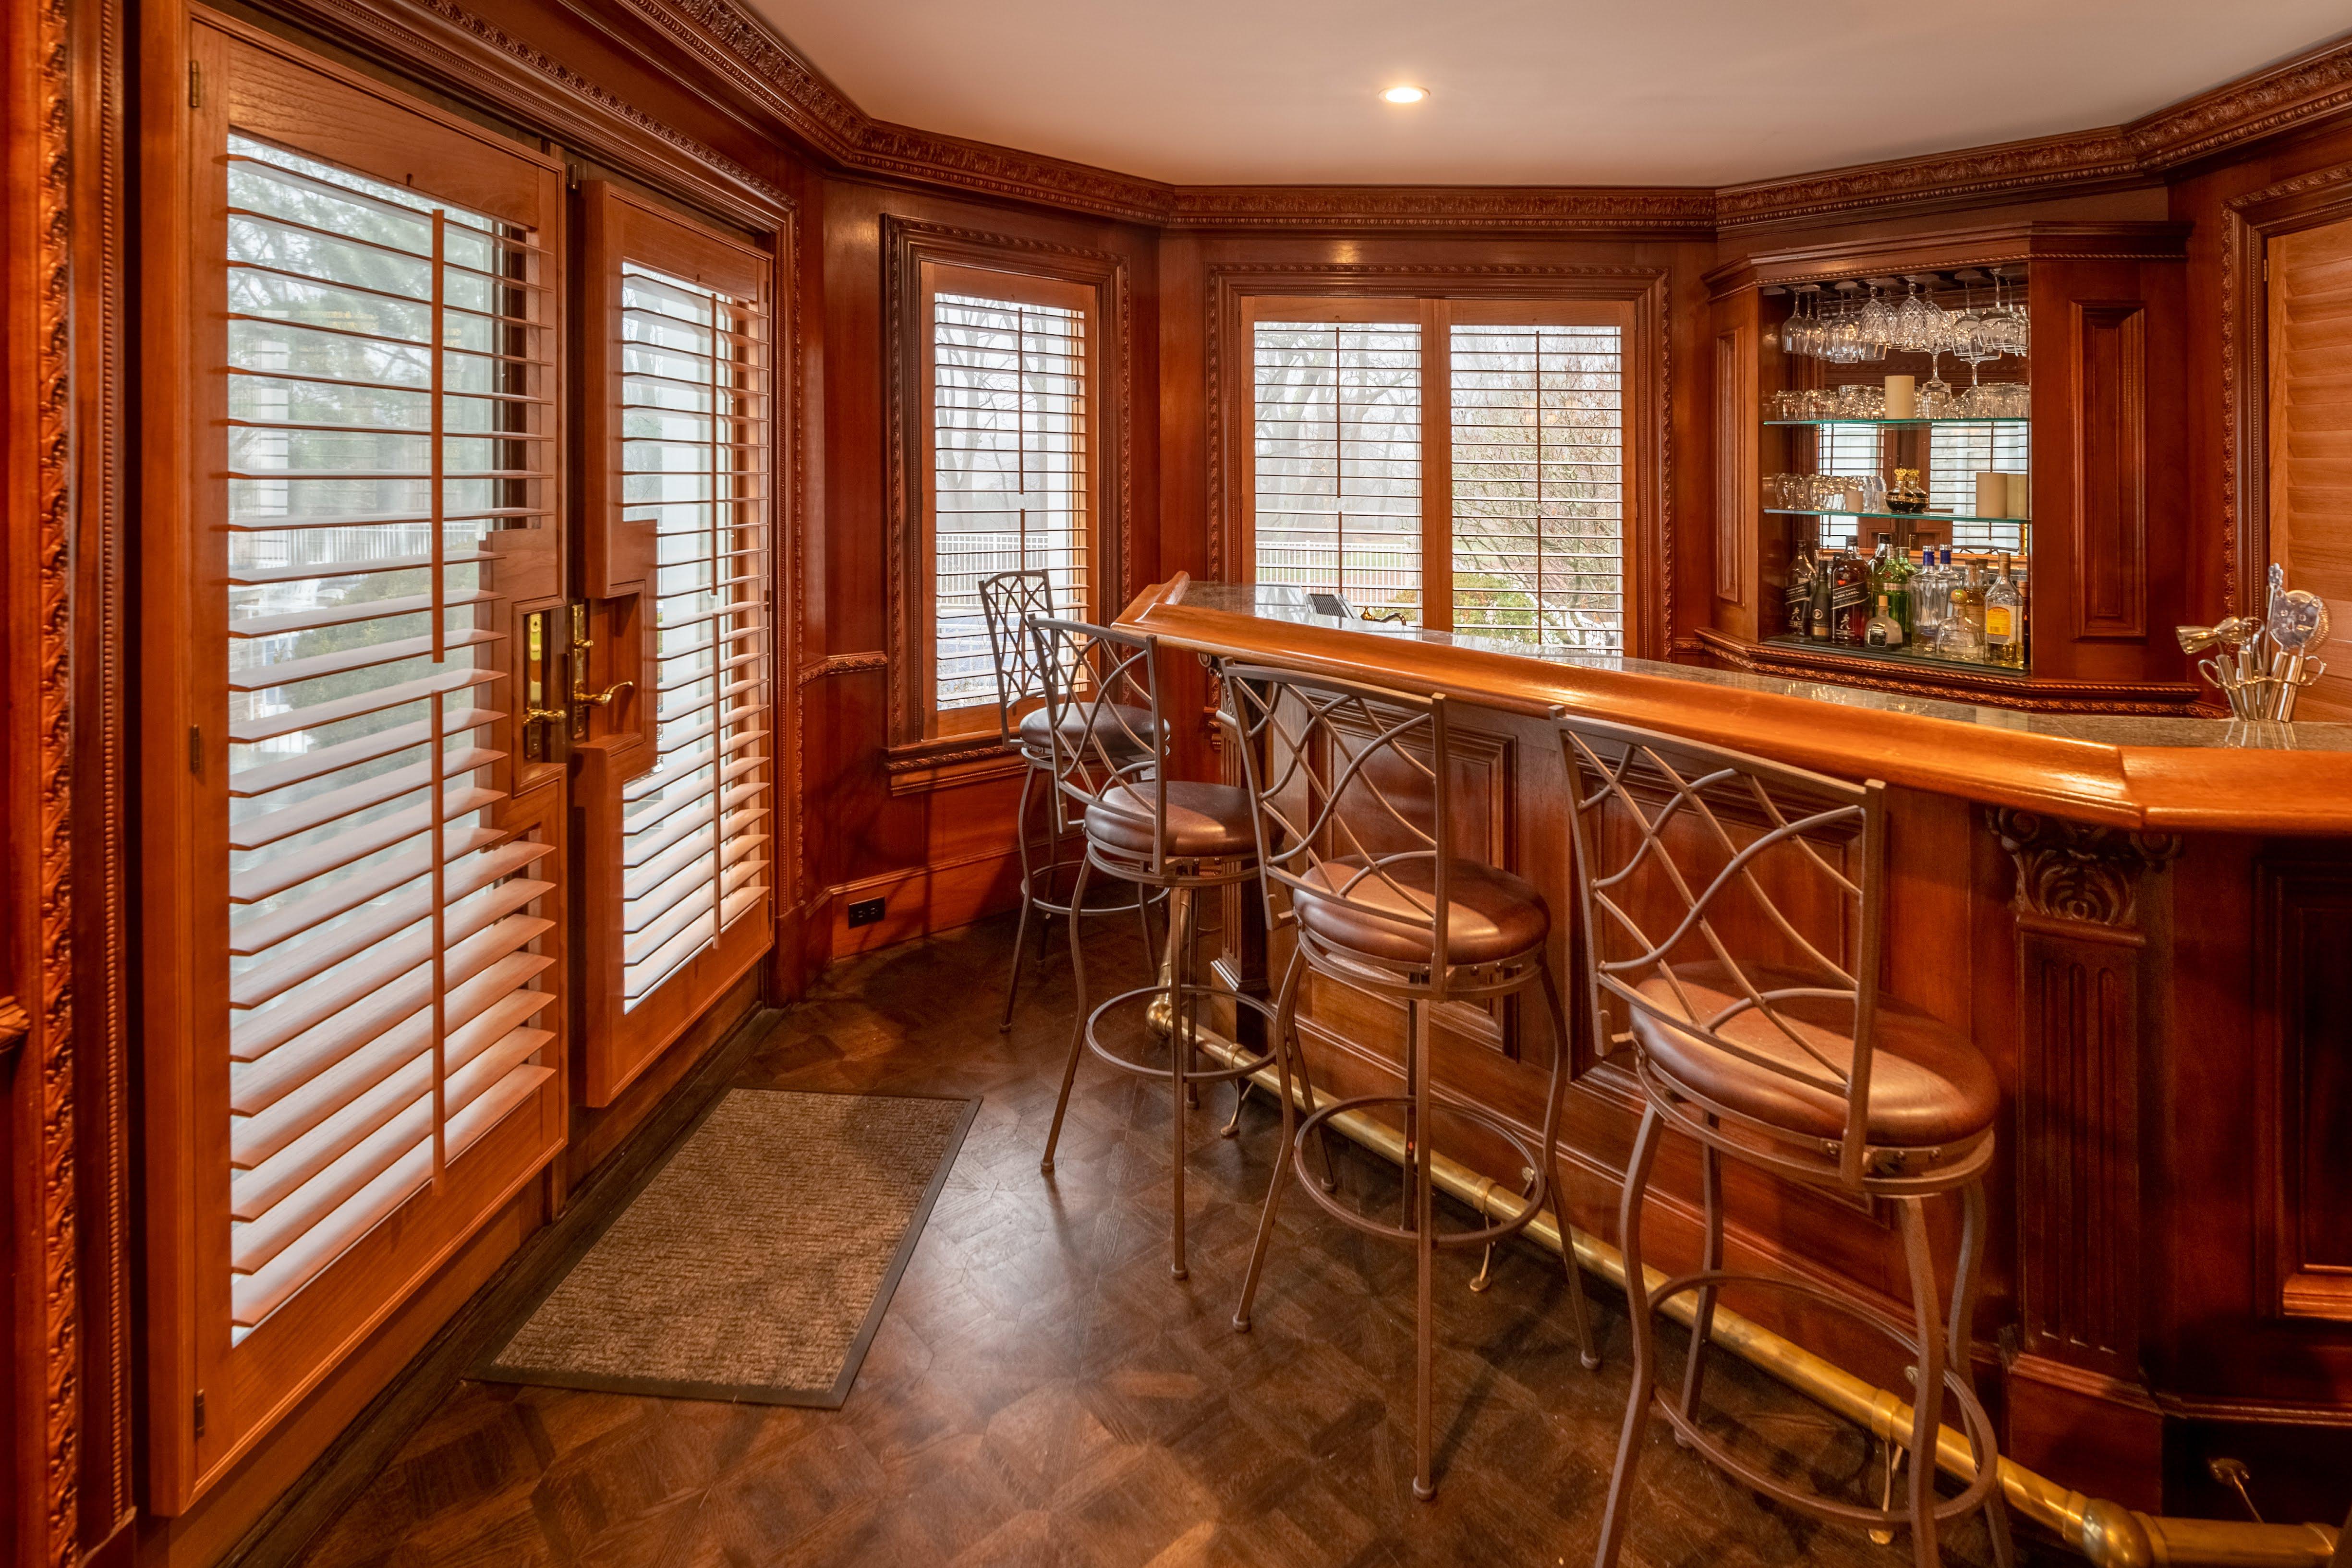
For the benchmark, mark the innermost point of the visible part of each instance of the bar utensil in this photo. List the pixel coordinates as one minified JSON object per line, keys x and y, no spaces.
{"x":2297,"y":623}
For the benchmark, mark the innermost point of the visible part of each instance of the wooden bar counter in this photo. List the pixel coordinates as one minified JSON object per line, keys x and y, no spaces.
{"x":2145,"y":924}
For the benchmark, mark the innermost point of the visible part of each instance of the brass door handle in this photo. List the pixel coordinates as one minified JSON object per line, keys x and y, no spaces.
{"x":546,"y":716}
{"x":604,"y":699}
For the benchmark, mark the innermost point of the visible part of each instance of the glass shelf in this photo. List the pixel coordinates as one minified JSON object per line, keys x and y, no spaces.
{"x":1955,"y":419}
{"x":1902,"y":656}
{"x":1895,"y":516}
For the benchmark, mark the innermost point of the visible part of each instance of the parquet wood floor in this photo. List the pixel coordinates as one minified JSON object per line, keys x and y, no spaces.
{"x":1041,"y":1394}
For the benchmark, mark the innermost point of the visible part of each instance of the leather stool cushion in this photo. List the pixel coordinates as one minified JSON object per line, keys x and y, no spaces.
{"x":1204,"y":820}
{"x":1120,"y":726}
{"x":1929,"y":1084}
{"x":1494,"y":914}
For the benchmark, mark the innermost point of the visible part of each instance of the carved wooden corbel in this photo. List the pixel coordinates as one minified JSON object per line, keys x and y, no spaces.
{"x":2072,"y":871}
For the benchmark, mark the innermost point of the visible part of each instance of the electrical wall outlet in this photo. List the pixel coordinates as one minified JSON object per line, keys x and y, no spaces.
{"x":864,"y":911}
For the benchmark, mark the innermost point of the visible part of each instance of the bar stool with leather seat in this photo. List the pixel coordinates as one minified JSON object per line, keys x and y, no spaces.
{"x":1351,"y":785}
{"x":1165,"y":835}
{"x":1770,"y":1043}
{"x":1009,"y":601}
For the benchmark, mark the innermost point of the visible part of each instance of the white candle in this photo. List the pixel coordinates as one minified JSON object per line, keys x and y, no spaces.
{"x":2020,"y":493}
{"x":1992,"y":495}
{"x":1902,"y":398}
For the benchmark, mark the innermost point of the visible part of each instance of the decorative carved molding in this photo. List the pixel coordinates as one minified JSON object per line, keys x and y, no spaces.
{"x":747,"y":52}
{"x":1644,"y":287}
{"x":1557,"y":209}
{"x":422,"y":32}
{"x":2071,"y":871}
{"x":907,"y":243}
{"x":47,"y":1071}
{"x":843,"y":664}
{"x":2031,"y":694}
{"x":930,"y":758}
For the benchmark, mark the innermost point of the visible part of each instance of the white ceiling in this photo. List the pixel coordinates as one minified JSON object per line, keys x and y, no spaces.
{"x":1704,"y":92}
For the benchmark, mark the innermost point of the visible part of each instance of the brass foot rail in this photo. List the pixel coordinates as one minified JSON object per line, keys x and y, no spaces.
{"x":2105,"y":1532}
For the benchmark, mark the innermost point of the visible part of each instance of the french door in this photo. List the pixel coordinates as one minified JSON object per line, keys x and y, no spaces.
{"x":354,"y":879}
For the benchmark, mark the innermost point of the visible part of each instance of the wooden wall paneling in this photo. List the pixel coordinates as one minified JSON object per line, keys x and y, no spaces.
{"x":2081,"y":955}
{"x":2108,"y":345}
{"x":1737,"y":443}
{"x":100,"y":938}
{"x":2304,"y":992}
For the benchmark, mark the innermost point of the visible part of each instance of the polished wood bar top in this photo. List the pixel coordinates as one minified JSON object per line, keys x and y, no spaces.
{"x":2154,"y":775}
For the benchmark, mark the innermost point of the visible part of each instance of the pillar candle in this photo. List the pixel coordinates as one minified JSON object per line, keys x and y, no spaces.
{"x":1902,"y":398}
{"x":1992,"y":495}
{"x":2020,"y":493}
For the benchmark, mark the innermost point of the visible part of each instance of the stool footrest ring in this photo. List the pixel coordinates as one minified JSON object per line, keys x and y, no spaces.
{"x":1516,"y":1140}
{"x":1192,"y":1075}
{"x":1978,"y":1423}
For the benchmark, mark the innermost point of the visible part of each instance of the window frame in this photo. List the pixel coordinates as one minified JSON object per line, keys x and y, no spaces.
{"x":928,"y":748}
{"x":1439,"y":298}
{"x":969,"y":720}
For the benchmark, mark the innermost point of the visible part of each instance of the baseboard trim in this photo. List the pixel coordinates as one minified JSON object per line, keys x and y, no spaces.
{"x":375,"y":1436}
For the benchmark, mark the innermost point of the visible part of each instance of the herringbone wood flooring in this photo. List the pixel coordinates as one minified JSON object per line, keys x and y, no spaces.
{"x":1043,"y":1395}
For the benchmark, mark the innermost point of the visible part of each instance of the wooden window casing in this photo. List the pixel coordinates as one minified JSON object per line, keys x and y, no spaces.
{"x":1056,"y":289}
{"x":1014,"y":380}
{"x":1451,"y":460}
{"x":678,"y":378}
{"x":354,"y":924}
{"x":2309,"y":360}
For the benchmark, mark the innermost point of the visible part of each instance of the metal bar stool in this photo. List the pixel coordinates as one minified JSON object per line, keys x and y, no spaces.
{"x":1173,"y":836}
{"x":1770,"y":1044}
{"x":1008,"y":602}
{"x":1350,"y":788}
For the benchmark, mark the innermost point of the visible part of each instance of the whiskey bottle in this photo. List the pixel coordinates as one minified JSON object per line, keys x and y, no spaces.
{"x":2004,"y":622}
{"x":1799,"y":595}
{"x":1818,"y":622}
{"x":1849,"y":600}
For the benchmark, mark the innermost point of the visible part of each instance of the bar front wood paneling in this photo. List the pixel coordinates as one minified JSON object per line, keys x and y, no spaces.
{"x":2128,"y":915}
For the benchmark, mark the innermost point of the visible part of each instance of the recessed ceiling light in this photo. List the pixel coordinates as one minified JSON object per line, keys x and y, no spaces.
{"x":1404,"y":94}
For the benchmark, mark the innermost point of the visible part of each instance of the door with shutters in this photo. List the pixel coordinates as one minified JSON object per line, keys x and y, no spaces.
{"x":677,"y":792}
{"x":355,"y":933}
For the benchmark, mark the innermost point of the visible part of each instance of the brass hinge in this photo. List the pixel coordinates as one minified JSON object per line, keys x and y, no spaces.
{"x":195,"y":84}
{"x":200,"y":1413}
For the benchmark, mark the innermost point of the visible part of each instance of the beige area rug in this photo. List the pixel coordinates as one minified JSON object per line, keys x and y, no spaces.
{"x":757,"y":1263}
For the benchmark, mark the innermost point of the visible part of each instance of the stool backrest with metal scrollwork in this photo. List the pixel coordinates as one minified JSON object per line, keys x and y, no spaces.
{"x":1349,"y":789}
{"x":1735,"y":901}
{"x":1102,"y":718}
{"x":1008,"y":602}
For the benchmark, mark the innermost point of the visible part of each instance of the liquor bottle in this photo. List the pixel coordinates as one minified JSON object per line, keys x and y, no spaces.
{"x":2004,"y":621}
{"x":1799,"y":595}
{"x":1818,"y":623}
{"x":1897,"y":586}
{"x":1961,"y":637}
{"x":1849,"y":600}
{"x":1928,"y":596}
{"x":1883,"y":630}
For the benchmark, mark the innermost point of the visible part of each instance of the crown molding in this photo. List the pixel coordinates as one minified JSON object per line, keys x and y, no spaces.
{"x":2296,"y":95}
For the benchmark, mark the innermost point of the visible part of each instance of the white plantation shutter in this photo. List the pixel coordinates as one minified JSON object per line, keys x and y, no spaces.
{"x":1956,"y":453}
{"x":389,"y":379}
{"x":1539,"y":465}
{"x":697,"y":825}
{"x":1011,"y":466}
{"x":1337,"y":460}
